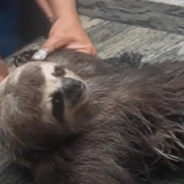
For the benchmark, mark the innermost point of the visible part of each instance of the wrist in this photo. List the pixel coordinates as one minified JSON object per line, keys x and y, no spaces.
{"x":56,"y":9}
{"x":63,"y":8}
{"x":69,"y":17}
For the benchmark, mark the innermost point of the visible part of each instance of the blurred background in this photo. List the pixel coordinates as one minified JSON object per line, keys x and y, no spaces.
{"x":21,"y":21}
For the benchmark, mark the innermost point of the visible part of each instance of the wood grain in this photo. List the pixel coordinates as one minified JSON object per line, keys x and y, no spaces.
{"x":165,"y":15}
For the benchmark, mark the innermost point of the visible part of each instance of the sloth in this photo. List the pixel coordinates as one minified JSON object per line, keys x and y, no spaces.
{"x":75,"y":119}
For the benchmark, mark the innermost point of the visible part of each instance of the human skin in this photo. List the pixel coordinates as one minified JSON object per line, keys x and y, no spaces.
{"x":3,"y":70}
{"x":66,"y":30}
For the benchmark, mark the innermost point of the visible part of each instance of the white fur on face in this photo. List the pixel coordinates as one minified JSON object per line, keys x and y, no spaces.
{"x":54,"y":84}
{"x":51,"y":85}
{"x":14,"y":75}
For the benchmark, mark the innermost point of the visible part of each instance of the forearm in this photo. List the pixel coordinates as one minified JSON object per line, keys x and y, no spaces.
{"x":45,"y":7}
{"x":55,"y":9}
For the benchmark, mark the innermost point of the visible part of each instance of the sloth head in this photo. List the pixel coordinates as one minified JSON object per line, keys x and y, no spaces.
{"x":40,"y":104}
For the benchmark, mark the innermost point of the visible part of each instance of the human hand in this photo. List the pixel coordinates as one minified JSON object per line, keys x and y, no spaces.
{"x":67,"y":33}
{"x":3,"y":70}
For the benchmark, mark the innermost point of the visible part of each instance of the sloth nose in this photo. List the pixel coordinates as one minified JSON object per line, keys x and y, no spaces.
{"x":72,"y":86}
{"x":71,"y":83}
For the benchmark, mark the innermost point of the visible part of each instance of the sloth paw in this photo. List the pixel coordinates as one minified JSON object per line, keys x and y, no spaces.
{"x":23,"y":57}
{"x":131,"y":58}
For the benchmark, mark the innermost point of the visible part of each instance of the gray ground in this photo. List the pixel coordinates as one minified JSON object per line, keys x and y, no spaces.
{"x":111,"y":39}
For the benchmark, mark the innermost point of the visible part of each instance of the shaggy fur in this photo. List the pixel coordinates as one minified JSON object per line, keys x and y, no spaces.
{"x":132,"y":123}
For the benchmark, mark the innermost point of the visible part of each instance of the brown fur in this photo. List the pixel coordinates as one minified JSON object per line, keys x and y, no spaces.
{"x":133,"y":122}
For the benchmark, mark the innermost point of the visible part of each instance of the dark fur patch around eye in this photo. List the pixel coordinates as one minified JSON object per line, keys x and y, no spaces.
{"x":58,"y":71}
{"x":58,"y":106}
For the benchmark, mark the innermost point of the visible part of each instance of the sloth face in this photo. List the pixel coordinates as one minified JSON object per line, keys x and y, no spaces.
{"x":64,"y":94}
{"x":40,"y":101}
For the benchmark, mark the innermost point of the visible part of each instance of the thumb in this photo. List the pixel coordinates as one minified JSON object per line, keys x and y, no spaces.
{"x":50,"y":45}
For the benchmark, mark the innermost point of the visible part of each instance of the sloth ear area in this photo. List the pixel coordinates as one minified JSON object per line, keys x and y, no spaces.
{"x":23,"y":57}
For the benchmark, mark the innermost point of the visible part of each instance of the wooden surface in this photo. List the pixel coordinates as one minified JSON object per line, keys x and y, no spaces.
{"x":111,"y":39}
{"x":165,"y":15}
{"x":171,"y":2}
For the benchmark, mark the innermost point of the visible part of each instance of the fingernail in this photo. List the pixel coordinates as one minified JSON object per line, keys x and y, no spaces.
{"x":40,"y":55}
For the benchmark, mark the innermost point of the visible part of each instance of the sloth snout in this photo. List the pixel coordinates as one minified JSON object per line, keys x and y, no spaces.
{"x":72,"y":87}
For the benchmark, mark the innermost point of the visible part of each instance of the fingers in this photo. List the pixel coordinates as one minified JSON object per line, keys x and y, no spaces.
{"x":90,"y":50}
{"x":40,"y":55}
{"x":53,"y":43}
{"x":49,"y":46}
{"x":86,"y":48}
{"x":68,"y":36}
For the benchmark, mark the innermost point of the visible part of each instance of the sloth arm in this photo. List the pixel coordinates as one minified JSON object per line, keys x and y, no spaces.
{"x":83,"y":162}
{"x":99,"y":170}
{"x":88,"y":170}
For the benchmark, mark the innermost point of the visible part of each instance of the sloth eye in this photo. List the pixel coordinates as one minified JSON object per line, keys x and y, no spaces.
{"x":58,"y":106}
{"x":58,"y":71}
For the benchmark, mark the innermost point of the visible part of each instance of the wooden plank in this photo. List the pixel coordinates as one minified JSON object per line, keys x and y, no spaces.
{"x":113,"y":38}
{"x":165,"y":15}
{"x":172,"y":2}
